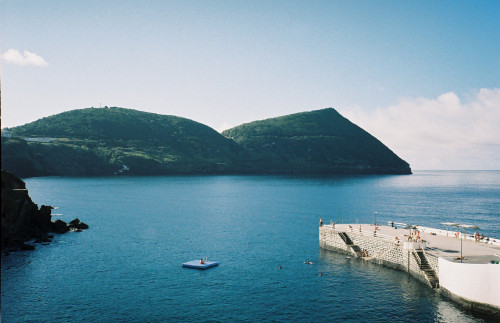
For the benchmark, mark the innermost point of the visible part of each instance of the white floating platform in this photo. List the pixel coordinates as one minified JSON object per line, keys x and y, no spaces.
{"x":195,"y":264}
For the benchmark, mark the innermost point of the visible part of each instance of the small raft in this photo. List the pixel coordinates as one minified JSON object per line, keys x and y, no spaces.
{"x":195,"y":264}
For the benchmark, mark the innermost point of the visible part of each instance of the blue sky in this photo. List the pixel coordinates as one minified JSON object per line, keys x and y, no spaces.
{"x":422,"y":76}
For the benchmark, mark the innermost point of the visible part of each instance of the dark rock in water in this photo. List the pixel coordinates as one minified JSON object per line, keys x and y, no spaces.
{"x":22,"y":220}
{"x":43,"y":220}
{"x":27,"y":247}
{"x":74,"y":222}
{"x":76,"y":225}
{"x":60,"y":227}
{"x":82,"y":226}
{"x":43,"y":239}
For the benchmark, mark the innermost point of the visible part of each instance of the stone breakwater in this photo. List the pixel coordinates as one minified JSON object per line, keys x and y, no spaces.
{"x":457,"y":267}
{"x":379,"y":248}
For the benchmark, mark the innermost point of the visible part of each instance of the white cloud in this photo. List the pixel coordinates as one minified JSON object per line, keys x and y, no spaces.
{"x":440,"y":133}
{"x":13,"y":56}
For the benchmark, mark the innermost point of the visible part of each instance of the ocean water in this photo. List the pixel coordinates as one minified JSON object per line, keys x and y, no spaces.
{"x":127,"y":266}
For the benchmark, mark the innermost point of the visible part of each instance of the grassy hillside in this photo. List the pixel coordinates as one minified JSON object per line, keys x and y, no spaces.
{"x":101,"y":141}
{"x":116,"y":124}
{"x":109,"y":141}
{"x":319,"y":141}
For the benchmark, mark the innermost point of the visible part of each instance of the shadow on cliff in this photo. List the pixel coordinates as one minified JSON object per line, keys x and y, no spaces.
{"x":23,"y":221}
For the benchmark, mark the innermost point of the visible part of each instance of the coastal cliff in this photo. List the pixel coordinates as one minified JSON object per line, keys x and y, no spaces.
{"x":22,"y":220}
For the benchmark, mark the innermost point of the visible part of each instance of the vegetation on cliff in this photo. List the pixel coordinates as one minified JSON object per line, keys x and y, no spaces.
{"x":114,"y":140}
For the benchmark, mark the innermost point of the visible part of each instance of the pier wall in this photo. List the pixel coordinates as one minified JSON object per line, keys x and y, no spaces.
{"x":381,"y":250}
{"x":474,"y":285}
{"x":329,"y":239}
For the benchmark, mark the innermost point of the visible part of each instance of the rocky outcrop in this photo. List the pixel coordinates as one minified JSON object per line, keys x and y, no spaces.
{"x":22,"y":220}
{"x":76,"y":225}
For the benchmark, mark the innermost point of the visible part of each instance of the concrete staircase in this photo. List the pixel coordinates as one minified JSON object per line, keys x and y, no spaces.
{"x":430,"y":274}
{"x":354,"y":248}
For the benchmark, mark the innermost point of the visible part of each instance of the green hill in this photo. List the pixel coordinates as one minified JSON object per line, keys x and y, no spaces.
{"x":319,"y":141}
{"x":108,"y":141}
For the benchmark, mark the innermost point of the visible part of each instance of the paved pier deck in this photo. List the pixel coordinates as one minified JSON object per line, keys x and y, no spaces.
{"x":437,"y":244}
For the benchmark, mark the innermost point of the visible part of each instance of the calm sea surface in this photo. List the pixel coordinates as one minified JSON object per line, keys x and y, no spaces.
{"x":127,"y":266}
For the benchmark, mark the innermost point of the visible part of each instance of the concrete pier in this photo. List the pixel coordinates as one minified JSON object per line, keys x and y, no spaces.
{"x":453,"y":263}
